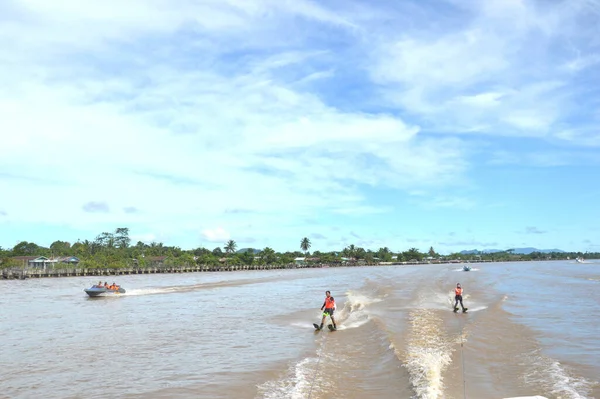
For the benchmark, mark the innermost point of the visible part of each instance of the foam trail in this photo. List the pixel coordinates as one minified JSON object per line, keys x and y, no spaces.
{"x":428,"y":354}
{"x":556,"y":379}
{"x":301,"y":378}
{"x":354,"y":313}
{"x":148,"y":291}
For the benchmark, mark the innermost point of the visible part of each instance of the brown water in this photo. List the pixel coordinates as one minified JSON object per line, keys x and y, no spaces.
{"x":529,"y":331}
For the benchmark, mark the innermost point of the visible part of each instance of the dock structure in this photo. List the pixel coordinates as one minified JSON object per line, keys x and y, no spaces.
{"x":25,"y":273}
{"x":34,"y":272}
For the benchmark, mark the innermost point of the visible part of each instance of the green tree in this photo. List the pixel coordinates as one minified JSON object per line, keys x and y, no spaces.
{"x":230,"y":247}
{"x":25,"y":248}
{"x":247,"y":257}
{"x":349,"y":251}
{"x":106,"y":240}
{"x":121,"y":237}
{"x":60,"y":248}
{"x":432,"y":252}
{"x":305,"y":245}
{"x":360,"y":253}
{"x":412,"y":254}
{"x":384,"y":254}
{"x":201,"y":251}
{"x":268,"y":256}
{"x":208,"y":259}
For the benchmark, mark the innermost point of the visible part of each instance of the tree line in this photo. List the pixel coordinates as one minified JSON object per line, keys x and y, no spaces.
{"x":115,"y":250}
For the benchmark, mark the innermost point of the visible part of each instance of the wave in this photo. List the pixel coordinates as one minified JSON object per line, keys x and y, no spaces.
{"x":194,"y":287}
{"x":298,"y":383}
{"x":428,"y":353}
{"x":354,"y":313}
{"x":307,"y":377}
{"x":556,"y":378}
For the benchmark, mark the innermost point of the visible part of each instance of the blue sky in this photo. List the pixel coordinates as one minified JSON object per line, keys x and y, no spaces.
{"x":456,"y":124}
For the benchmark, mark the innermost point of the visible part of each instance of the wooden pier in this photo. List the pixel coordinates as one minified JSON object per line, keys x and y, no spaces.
{"x":33,"y":272}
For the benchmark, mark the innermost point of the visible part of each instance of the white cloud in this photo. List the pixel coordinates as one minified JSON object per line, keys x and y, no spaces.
{"x":218,"y":234}
{"x":188,"y":110}
{"x":500,"y":72}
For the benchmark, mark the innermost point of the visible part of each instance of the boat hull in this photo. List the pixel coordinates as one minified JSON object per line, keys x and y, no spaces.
{"x":101,"y":291}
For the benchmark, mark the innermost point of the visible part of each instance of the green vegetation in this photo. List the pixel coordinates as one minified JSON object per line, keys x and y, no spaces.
{"x":114,"y":250}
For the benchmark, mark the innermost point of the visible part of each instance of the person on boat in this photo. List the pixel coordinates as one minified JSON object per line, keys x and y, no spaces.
{"x":99,"y":285}
{"x":106,"y":284}
{"x":328,"y":308}
{"x":458,"y":298}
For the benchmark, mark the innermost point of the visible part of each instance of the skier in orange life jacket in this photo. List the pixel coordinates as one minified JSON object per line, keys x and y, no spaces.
{"x":458,"y":298}
{"x":328,"y":309}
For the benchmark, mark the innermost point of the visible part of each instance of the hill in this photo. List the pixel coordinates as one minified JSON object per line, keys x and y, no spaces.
{"x":520,"y":251}
{"x":243,"y":250}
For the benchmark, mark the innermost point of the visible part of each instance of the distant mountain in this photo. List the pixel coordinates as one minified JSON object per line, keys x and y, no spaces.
{"x":521,"y":251}
{"x":243,"y":250}
{"x":528,"y":250}
{"x":476,"y":251}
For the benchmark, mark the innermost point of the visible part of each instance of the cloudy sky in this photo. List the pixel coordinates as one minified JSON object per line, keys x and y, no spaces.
{"x":456,"y":124}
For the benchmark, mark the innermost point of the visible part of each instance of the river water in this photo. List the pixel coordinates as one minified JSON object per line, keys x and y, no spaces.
{"x":530,"y":330}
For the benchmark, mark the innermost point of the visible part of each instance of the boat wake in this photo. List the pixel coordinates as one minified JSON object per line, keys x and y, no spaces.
{"x":354,"y":313}
{"x":556,"y":378}
{"x":298,"y":381}
{"x":428,"y":353}
{"x":193,"y":287}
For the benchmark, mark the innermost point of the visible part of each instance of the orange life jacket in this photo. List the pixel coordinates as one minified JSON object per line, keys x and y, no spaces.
{"x":458,"y":291}
{"x":329,"y":303}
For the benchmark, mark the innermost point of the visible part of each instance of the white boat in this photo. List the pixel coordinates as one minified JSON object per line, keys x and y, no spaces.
{"x":579,"y":259}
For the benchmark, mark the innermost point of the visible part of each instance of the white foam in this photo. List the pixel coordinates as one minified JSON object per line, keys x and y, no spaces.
{"x":428,"y":354}
{"x":527,"y":397}
{"x":476,"y":309}
{"x":300,"y":379}
{"x":355,"y":311}
{"x":556,"y":378}
{"x":148,"y":291}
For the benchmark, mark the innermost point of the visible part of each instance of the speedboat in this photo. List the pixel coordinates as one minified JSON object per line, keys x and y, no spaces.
{"x":466,"y":268}
{"x":103,"y":291}
{"x":579,"y":259}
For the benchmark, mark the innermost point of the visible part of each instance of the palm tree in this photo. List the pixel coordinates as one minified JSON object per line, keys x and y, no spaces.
{"x":230,"y":247}
{"x":268,"y":256}
{"x":305,"y":244}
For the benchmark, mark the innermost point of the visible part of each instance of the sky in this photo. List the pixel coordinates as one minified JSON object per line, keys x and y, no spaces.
{"x":457,"y":124}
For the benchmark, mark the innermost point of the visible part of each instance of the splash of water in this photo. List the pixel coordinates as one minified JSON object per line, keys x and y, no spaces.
{"x":428,"y":354}
{"x":355,"y":311}
{"x":556,"y":378}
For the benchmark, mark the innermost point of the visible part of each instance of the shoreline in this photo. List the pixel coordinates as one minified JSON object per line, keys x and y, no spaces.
{"x":30,"y":272}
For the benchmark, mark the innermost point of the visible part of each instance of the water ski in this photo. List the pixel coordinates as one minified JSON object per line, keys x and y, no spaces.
{"x":317,"y":328}
{"x":464,"y":310}
{"x":331,"y":327}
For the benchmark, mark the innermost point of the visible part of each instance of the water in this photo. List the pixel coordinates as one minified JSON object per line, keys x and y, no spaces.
{"x":529,"y":331}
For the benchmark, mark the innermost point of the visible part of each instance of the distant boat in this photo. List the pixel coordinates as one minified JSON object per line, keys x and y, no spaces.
{"x":466,"y":268}
{"x":579,"y":259}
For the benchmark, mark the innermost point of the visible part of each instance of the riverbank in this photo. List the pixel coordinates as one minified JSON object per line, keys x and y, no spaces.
{"x":32,"y":272}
